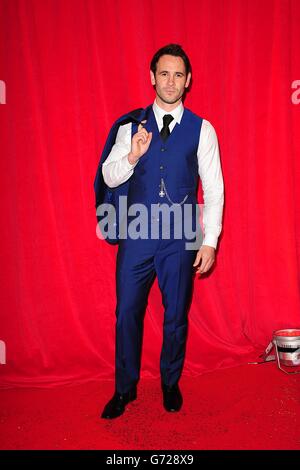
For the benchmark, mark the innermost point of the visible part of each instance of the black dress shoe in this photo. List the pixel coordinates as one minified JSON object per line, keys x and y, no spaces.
{"x":172,"y":397}
{"x":116,"y":406}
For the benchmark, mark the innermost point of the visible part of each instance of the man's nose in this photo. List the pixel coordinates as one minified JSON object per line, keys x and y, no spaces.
{"x":171,"y":79}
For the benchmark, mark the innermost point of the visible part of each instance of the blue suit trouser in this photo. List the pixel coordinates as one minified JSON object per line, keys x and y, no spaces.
{"x":138,"y":261}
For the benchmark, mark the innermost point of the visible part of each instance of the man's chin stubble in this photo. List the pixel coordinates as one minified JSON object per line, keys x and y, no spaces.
{"x":170,"y":101}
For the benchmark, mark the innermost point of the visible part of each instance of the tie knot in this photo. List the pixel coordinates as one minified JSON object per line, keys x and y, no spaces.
{"x":167,"y":119}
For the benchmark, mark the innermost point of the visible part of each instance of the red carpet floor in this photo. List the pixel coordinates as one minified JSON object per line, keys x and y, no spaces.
{"x":246,"y":407}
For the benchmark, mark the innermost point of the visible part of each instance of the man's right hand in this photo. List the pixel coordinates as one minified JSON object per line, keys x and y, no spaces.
{"x":139,"y":144}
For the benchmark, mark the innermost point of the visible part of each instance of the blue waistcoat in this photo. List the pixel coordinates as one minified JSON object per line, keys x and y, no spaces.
{"x":175,"y":161}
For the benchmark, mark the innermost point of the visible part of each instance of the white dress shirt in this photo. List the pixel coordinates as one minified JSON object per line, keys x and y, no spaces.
{"x":116,"y":169}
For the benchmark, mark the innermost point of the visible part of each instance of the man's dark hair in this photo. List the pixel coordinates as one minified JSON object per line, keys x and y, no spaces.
{"x":171,"y":49}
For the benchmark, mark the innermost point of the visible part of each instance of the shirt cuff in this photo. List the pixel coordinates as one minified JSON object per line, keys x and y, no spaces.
{"x":127,"y":164}
{"x":210,"y":240}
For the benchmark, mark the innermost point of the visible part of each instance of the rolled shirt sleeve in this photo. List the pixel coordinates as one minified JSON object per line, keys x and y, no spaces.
{"x":210,"y":173}
{"x":116,"y":169}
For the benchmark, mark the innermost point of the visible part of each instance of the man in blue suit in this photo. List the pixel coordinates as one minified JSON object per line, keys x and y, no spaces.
{"x":160,"y":160}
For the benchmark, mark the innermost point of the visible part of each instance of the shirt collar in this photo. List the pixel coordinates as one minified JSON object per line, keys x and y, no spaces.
{"x":176,"y":112}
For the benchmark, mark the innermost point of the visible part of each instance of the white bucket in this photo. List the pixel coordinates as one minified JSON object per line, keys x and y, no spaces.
{"x":287,"y":345}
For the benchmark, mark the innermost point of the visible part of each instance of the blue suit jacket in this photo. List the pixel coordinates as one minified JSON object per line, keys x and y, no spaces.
{"x":104,"y":194}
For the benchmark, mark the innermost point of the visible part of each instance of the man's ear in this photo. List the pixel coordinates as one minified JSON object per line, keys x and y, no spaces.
{"x":188,"y":80}
{"x":152,"y":78}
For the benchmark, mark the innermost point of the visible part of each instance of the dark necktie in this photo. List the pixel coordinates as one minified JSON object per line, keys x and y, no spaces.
{"x":165,"y":132}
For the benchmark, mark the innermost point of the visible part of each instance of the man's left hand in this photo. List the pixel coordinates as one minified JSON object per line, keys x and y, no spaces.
{"x":206,"y":258}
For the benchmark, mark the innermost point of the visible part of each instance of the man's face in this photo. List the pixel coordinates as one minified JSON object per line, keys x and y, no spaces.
{"x":170,"y":79}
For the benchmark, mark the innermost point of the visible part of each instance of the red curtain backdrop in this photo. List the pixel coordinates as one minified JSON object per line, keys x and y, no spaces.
{"x":70,"y":68}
